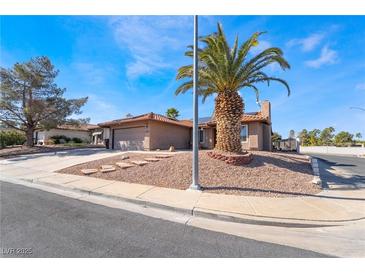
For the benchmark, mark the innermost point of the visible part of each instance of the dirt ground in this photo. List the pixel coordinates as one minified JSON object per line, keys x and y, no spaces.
{"x":269,"y":174}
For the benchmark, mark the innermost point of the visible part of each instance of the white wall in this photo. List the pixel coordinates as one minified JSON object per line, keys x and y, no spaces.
{"x":333,"y":150}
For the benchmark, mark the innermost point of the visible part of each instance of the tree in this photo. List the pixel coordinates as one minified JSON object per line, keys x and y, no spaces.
{"x":304,"y":138}
{"x":225,"y":70}
{"x":326,"y":136}
{"x":172,"y":113}
{"x":343,"y":138}
{"x":275,"y":137}
{"x":31,"y":100}
{"x":314,"y":137}
{"x":358,"y":136}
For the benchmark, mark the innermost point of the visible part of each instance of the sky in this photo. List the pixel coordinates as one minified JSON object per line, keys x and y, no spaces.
{"x":128,"y":64}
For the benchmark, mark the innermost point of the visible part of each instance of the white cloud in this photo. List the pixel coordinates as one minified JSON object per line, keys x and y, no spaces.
{"x":360,"y":86}
{"x":327,"y":57}
{"x":150,"y":39}
{"x":91,"y":73}
{"x":309,"y":43}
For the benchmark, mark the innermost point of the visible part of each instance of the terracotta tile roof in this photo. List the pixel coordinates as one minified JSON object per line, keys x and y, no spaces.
{"x":246,"y":118}
{"x":254,"y":117}
{"x":147,"y":117}
{"x":86,"y":127}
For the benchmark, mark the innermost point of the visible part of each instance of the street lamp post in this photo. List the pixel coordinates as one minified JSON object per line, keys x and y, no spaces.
{"x":195,"y":184}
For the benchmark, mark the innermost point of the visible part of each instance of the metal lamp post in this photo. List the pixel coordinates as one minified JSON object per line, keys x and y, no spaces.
{"x":195,"y":183}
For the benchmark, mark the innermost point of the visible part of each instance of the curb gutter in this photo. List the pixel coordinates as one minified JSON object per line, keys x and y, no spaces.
{"x":315,"y":167}
{"x":197,"y":212}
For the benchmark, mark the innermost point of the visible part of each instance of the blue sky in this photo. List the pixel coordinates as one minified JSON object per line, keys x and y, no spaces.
{"x":128,"y":64}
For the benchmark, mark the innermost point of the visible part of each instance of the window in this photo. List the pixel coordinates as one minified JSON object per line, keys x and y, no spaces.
{"x":244,"y":133}
{"x":201,"y":135}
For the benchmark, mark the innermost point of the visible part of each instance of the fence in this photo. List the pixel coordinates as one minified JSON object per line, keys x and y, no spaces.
{"x":333,"y":150}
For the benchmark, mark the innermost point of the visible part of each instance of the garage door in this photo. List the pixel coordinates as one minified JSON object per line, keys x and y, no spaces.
{"x":129,"y":138}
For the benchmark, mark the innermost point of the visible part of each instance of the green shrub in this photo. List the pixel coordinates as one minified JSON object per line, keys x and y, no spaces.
{"x":76,"y":140}
{"x":11,"y":137}
{"x":60,"y":139}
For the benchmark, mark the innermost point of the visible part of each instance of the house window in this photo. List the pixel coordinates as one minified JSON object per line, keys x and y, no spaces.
{"x":201,"y":135}
{"x":244,"y":133}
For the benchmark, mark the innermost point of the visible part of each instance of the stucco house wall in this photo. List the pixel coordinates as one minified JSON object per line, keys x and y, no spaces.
{"x":208,"y":141}
{"x":45,"y":135}
{"x":163,"y":135}
{"x":255,"y":140}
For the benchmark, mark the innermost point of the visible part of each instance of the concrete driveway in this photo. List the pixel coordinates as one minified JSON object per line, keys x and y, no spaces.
{"x":338,"y":172}
{"x":52,"y":161}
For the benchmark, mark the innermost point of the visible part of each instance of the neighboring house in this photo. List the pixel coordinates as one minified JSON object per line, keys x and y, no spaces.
{"x":290,"y":144}
{"x":154,"y":131}
{"x":84,"y":132}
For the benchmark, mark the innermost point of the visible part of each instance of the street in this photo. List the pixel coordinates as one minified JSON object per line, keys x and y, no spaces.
{"x":341,"y":171}
{"x":50,"y":225}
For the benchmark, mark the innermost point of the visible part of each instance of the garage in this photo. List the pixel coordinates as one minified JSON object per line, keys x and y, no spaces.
{"x":129,"y":138}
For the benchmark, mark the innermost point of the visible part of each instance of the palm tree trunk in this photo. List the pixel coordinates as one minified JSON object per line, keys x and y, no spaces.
{"x":228,"y":114}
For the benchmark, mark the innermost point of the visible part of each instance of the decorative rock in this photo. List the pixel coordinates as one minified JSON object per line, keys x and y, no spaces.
{"x":232,"y":159}
{"x":124,"y":165}
{"x":152,"y":159}
{"x":107,"y":168}
{"x":163,"y":156}
{"x":124,"y":157}
{"x":88,"y":171}
{"x":139,"y":163}
{"x":172,"y":149}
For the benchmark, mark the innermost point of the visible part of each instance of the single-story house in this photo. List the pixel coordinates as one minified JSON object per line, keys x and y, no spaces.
{"x":148,"y":131}
{"x":152,"y":131}
{"x":255,"y":130}
{"x":88,"y":133}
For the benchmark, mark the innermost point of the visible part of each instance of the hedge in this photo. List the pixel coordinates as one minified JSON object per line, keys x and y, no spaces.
{"x":11,"y":137}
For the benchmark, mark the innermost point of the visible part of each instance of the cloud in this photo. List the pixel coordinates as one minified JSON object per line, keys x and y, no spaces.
{"x":360,"y":86}
{"x":309,"y":43}
{"x":150,"y":41}
{"x":327,"y":57}
{"x":91,"y":73}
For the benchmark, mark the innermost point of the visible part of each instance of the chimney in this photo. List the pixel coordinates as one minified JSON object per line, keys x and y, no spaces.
{"x":266,"y":110}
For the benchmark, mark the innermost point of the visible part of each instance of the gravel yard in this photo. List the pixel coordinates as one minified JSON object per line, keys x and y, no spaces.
{"x":269,"y":174}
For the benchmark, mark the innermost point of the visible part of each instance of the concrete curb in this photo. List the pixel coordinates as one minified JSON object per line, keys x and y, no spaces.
{"x":197,"y":212}
{"x":315,"y":167}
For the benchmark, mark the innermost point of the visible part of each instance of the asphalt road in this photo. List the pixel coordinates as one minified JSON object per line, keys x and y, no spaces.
{"x":352,"y":167}
{"x":42,"y":224}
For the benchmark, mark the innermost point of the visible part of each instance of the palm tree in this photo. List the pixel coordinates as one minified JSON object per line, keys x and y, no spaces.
{"x":225,"y":71}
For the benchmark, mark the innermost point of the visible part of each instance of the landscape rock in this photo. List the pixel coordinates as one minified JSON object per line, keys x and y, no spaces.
{"x":152,"y":159}
{"x":124,"y":165}
{"x":87,"y":171}
{"x":139,"y":163}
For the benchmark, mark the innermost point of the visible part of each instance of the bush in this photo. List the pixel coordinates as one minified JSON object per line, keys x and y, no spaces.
{"x":11,"y":137}
{"x":60,"y":139}
{"x":76,"y":140}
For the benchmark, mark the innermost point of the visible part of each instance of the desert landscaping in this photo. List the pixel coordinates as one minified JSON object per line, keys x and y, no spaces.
{"x":269,"y":174}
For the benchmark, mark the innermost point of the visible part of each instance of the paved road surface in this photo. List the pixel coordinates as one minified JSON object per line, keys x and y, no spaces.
{"x":57,"y":226}
{"x":342,"y":171}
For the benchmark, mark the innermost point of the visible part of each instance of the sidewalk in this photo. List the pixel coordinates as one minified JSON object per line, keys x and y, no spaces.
{"x":330,"y":207}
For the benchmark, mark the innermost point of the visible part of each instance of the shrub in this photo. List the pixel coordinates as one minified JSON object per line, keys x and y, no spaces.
{"x":76,"y":140}
{"x":11,"y":137}
{"x":60,"y":139}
